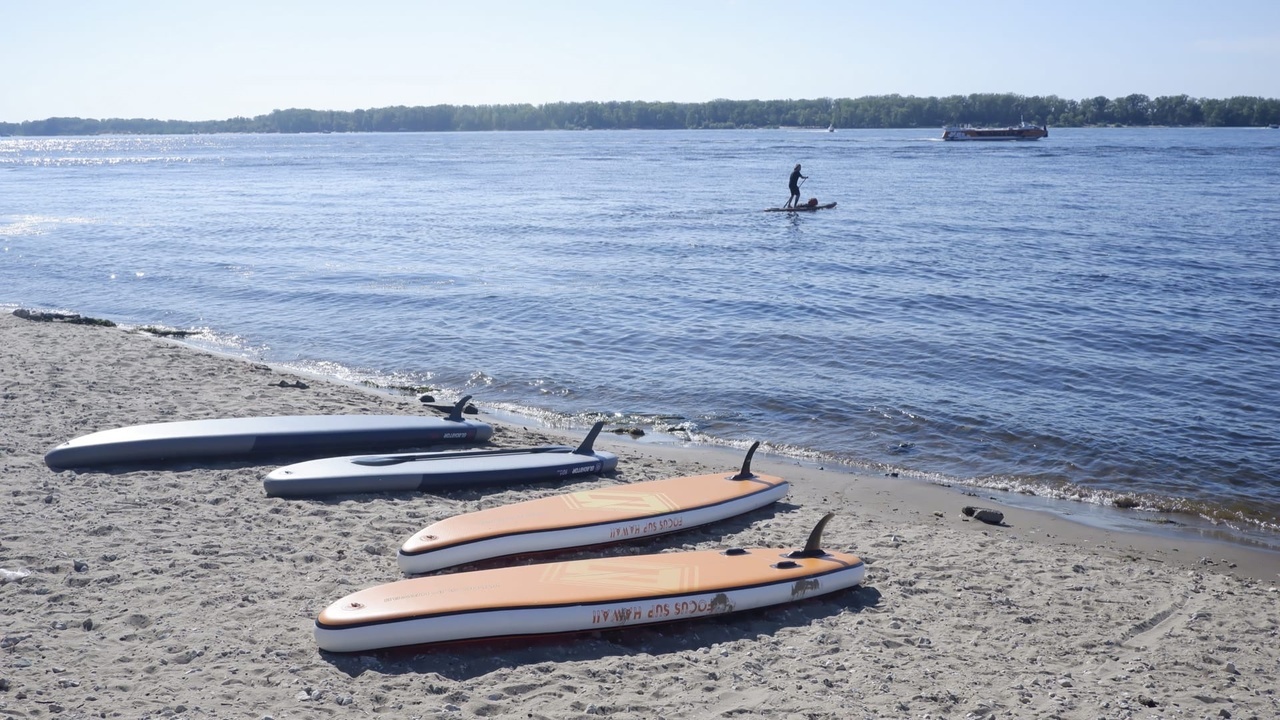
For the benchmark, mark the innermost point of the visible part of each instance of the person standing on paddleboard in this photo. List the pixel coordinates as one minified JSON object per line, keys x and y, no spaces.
{"x":794,"y":184}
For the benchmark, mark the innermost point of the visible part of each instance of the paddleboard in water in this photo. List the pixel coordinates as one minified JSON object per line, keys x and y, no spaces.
{"x":264,"y":436}
{"x":590,"y":517}
{"x":801,"y":208}
{"x":427,"y":471}
{"x":583,"y":595}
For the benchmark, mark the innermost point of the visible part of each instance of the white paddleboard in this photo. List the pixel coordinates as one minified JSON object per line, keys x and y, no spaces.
{"x":429,"y":471}
{"x":263,"y":436}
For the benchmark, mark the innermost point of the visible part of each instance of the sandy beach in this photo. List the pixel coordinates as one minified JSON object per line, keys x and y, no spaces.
{"x":186,"y":592}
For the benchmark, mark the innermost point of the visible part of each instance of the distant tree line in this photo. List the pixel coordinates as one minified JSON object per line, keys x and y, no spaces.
{"x":879,"y":111}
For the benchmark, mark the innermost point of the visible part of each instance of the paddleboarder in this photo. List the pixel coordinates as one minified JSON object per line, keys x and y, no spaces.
{"x":794,"y":184}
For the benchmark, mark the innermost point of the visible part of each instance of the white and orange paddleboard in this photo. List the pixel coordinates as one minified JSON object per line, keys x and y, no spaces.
{"x":582,"y":595}
{"x":590,"y":517}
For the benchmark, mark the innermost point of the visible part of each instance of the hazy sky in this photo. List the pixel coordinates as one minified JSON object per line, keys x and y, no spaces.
{"x":216,"y":59}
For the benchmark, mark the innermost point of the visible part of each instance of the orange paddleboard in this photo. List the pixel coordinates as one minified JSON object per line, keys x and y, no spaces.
{"x":582,"y":595}
{"x":590,"y":517}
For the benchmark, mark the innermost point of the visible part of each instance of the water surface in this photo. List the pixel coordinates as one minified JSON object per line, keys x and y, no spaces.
{"x":1093,"y":316}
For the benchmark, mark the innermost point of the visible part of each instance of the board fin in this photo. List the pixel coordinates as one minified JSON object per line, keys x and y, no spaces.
{"x":813,"y":548}
{"x":585,"y":448}
{"x":456,"y":414}
{"x":745,"y":473}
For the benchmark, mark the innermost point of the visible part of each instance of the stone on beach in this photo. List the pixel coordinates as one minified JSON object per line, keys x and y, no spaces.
{"x":986,"y":515}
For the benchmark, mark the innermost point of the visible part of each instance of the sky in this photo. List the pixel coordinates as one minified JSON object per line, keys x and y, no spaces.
{"x":218,"y":59}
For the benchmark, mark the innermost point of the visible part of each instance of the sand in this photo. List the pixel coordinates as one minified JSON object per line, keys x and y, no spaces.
{"x":186,"y":592}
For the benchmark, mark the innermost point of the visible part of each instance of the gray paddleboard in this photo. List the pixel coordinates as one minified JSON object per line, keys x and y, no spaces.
{"x":427,"y":471}
{"x":263,"y":436}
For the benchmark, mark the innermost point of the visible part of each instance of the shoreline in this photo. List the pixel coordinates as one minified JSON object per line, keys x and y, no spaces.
{"x":1204,"y":538}
{"x":1171,"y":525}
{"x":1092,"y":517}
{"x":186,"y":592}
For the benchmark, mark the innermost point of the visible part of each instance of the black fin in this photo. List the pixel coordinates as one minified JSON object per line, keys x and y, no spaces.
{"x":813,"y":548}
{"x":456,"y":414}
{"x":585,"y":447}
{"x":745,"y":473}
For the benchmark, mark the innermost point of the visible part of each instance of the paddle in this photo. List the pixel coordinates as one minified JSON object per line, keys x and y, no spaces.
{"x":383,"y":460}
{"x":788,"y":202}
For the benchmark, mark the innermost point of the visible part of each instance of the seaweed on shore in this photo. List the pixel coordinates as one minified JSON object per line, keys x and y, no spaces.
{"x":165,"y":332}
{"x":423,"y":390}
{"x":72,"y":318}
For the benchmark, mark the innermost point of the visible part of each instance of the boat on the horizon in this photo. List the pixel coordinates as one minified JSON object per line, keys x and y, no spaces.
{"x":1022,"y":131}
